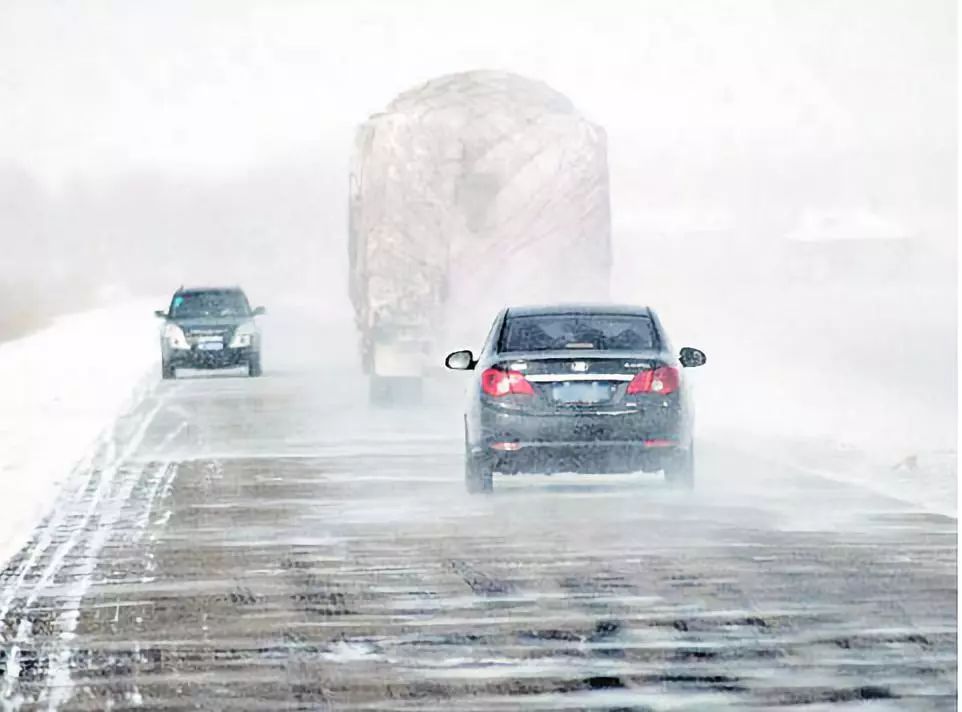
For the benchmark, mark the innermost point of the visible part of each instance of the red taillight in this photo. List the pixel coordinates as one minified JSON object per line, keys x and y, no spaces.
{"x":498,"y":383}
{"x":660,"y":381}
{"x":660,"y":443}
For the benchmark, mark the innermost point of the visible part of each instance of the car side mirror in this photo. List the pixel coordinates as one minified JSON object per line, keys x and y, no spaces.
{"x":259,"y":311}
{"x":460,"y":361}
{"x":690,"y":357}
{"x":160,"y":314}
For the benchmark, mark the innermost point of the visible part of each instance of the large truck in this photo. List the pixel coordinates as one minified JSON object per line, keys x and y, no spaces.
{"x":472,"y":191}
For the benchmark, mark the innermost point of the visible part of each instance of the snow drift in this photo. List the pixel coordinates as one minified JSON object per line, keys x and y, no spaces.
{"x":62,"y":387}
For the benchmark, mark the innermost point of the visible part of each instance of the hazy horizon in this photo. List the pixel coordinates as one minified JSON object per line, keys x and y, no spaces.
{"x":99,"y":90}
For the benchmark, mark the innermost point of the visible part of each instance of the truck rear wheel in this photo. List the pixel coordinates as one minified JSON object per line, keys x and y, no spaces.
{"x":385,"y":390}
{"x":379,"y":390}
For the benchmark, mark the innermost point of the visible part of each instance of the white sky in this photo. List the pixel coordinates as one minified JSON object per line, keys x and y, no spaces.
{"x":98,"y":88}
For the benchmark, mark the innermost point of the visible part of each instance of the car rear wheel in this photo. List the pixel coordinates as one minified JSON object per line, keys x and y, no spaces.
{"x":167,"y":371}
{"x":254,"y":366}
{"x":478,"y":475}
{"x":680,"y":469}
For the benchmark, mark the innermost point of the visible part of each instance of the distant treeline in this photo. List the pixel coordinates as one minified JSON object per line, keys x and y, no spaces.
{"x":282,"y":227}
{"x":87,"y":243}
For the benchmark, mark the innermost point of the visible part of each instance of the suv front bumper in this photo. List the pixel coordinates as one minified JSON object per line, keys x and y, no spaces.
{"x":200,"y":359}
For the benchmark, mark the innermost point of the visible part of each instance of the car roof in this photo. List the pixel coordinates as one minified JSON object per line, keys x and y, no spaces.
{"x":194,"y":290}
{"x":579,"y":308}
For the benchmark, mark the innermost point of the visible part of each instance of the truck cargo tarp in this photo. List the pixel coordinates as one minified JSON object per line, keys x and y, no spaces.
{"x":472,"y":191}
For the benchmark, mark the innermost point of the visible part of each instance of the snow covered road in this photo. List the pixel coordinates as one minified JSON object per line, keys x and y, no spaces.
{"x":273,"y":544}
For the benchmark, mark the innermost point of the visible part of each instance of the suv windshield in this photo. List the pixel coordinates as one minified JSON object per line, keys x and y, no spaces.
{"x":214,"y":303}
{"x":549,"y":332}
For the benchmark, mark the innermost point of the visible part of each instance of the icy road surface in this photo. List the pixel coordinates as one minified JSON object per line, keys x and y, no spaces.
{"x":272,"y":544}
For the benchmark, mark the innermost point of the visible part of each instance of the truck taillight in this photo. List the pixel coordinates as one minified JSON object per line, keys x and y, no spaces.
{"x":660,"y":381}
{"x":497,"y":383}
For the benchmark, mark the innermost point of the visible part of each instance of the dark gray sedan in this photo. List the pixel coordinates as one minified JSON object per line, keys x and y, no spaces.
{"x":577,"y":388}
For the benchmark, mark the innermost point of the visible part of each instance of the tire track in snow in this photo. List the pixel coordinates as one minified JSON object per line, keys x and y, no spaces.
{"x":89,"y":467}
{"x":36,"y":552}
{"x":57,"y":687}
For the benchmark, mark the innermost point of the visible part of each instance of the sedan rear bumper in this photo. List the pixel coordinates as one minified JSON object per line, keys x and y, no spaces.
{"x":619,"y":442}
{"x":605,"y":457}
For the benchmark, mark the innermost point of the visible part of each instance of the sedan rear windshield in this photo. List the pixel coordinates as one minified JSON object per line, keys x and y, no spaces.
{"x":191,"y":305}
{"x":603,"y":332}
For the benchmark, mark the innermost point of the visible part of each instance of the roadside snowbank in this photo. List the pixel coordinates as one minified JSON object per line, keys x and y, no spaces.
{"x":59,"y":390}
{"x":854,"y":384}
{"x":927,"y":478}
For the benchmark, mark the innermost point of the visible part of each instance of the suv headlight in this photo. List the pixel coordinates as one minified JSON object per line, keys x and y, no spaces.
{"x":243,"y":336}
{"x":175,"y":337}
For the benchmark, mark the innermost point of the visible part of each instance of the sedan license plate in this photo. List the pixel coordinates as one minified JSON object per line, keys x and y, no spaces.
{"x":581,"y":393}
{"x":211,"y":346}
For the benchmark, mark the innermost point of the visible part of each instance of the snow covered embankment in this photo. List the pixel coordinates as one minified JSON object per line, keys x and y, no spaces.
{"x":61,"y":388}
{"x":852,"y":385}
